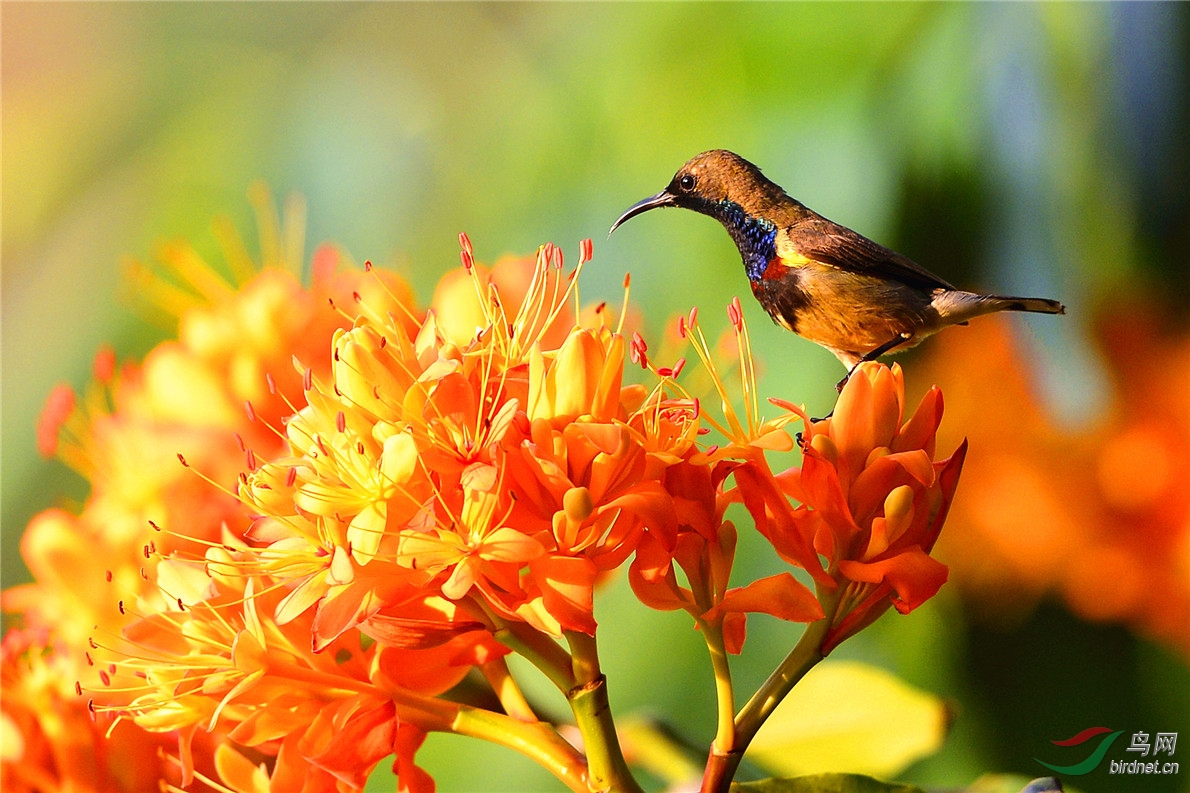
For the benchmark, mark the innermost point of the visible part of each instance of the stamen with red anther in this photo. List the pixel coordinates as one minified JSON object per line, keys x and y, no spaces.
{"x":735,"y":313}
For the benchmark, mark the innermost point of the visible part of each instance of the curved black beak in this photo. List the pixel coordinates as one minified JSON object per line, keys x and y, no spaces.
{"x":662,"y":199}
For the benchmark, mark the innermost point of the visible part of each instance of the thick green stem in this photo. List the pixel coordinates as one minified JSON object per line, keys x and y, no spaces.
{"x":536,"y":740}
{"x":800,"y":660}
{"x":607,"y":769}
{"x":584,"y":655}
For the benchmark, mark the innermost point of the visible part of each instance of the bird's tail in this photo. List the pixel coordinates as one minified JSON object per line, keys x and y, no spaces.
{"x":958,"y":306}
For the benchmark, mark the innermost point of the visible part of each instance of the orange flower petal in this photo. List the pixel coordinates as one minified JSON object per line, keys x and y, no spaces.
{"x":567,"y":585}
{"x":780,"y":595}
{"x":914,"y":575}
{"x":510,"y":545}
{"x":867,"y":415}
{"x":919,"y":431}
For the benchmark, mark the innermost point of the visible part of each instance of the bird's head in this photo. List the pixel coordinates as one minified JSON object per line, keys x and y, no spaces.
{"x":707,"y":182}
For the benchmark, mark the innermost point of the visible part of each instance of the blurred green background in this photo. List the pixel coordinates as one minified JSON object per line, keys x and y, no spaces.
{"x":1037,"y":149}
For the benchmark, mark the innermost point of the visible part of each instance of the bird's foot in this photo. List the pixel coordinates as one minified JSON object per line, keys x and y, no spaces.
{"x":873,"y":355}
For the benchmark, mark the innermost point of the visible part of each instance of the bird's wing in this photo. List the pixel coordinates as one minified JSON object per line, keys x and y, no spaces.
{"x":821,"y":240}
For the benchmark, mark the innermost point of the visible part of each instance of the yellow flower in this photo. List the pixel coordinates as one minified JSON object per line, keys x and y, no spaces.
{"x":450,"y":454}
{"x":584,"y":379}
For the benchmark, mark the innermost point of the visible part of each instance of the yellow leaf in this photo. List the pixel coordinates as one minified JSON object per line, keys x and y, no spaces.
{"x":849,"y":716}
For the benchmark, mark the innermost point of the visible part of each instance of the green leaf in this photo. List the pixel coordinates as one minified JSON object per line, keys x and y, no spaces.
{"x":824,"y":783}
{"x":849,"y":716}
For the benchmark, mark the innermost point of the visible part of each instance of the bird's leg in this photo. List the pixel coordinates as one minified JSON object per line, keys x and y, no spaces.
{"x":889,"y":345}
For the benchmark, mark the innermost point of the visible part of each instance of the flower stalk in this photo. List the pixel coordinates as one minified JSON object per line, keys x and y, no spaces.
{"x":805,"y":655}
{"x":536,"y":740}
{"x":540,"y":650}
{"x":725,"y":733}
{"x":593,"y":715}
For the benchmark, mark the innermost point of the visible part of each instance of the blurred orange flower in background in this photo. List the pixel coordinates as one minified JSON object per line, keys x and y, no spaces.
{"x":1098,"y":516}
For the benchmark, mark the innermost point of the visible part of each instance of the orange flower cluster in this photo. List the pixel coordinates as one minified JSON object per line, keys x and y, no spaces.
{"x":444,"y":487}
{"x":874,"y":501}
{"x":498,"y":476}
{"x":234,"y":344}
{"x":1097,"y":515}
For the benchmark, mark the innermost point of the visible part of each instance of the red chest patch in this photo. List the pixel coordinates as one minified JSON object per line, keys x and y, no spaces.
{"x":774,"y":273}
{"x":774,"y":270}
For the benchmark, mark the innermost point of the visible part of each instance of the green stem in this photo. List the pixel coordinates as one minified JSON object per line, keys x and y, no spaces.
{"x":504,"y":685}
{"x":724,"y":695}
{"x":607,"y":769}
{"x":721,"y":766}
{"x":540,"y":650}
{"x":800,"y":660}
{"x":584,"y":654}
{"x":536,"y":740}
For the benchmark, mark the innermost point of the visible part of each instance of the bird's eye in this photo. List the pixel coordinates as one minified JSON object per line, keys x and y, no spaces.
{"x":686,"y":182}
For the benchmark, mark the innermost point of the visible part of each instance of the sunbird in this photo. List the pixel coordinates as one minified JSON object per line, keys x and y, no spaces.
{"x":823,"y":281}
